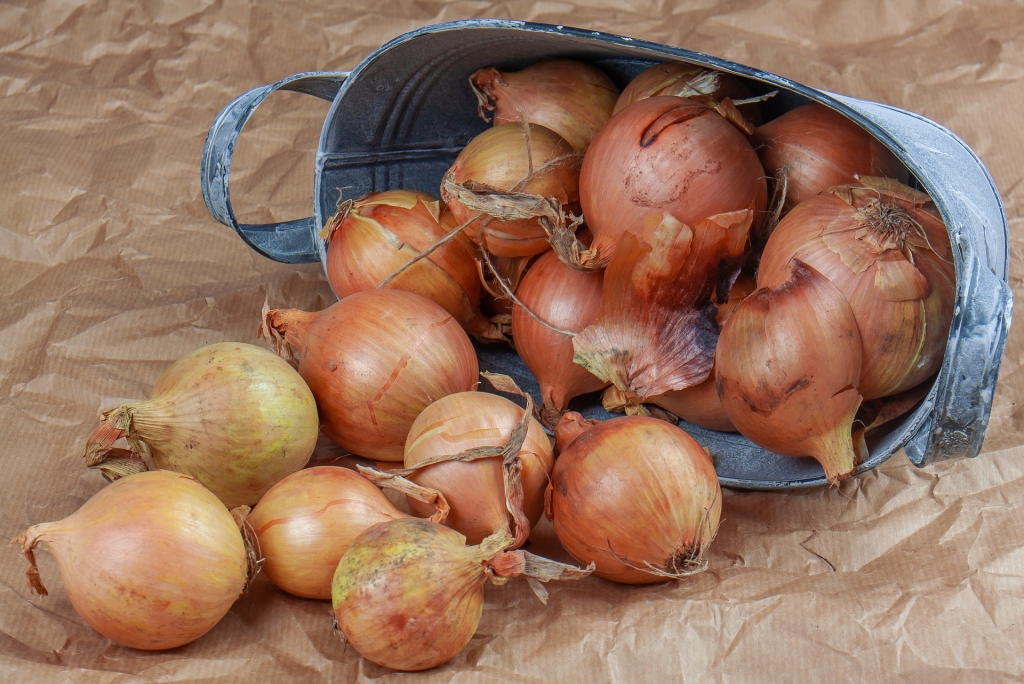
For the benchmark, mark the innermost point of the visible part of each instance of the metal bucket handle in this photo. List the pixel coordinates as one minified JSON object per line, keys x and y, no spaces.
{"x":291,"y":242}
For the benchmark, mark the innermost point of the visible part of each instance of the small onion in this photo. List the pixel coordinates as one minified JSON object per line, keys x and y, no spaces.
{"x":571,"y":98}
{"x":497,"y":161}
{"x":475,"y":490}
{"x":374,"y":236}
{"x":374,"y":360}
{"x":568,"y":299}
{"x":153,"y":561}
{"x":307,"y":521}
{"x":813,"y":148}
{"x":665,"y":156}
{"x":788,"y":365}
{"x":636,"y":496}
{"x":886,"y":248}
{"x":234,"y":416}
{"x":685,"y":80}
{"x":700,"y":404}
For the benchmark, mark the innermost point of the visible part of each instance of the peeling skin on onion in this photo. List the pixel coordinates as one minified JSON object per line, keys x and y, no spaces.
{"x":885,"y":247}
{"x":686,"y":80}
{"x":788,"y":365}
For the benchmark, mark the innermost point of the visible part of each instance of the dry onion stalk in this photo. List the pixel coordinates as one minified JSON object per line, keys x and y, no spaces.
{"x":636,"y":496}
{"x":374,"y":236}
{"x":234,"y":416}
{"x":374,"y":360}
{"x":886,"y":248}
{"x":788,"y":366}
{"x":571,"y":98}
{"x":662,"y":156}
{"x":657,"y":332}
{"x":408,"y":594}
{"x":564,"y":298}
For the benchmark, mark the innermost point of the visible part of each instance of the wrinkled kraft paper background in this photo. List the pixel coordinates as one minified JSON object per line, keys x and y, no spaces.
{"x":111,"y":268}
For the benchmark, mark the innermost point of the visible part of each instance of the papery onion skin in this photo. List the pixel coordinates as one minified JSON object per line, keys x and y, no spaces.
{"x":153,"y":561}
{"x":816,"y":147}
{"x":700,"y":404}
{"x":571,"y":98}
{"x":475,"y":490}
{"x":307,"y":521}
{"x":788,"y":365}
{"x":498,"y":158}
{"x":409,"y":594}
{"x":381,"y":232}
{"x":903,"y":306}
{"x":631,"y":491}
{"x":374,"y":360}
{"x":232,"y":415}
{"x":568,"y":299}
{"x":665,"y":155}
{"x":675,"y":79}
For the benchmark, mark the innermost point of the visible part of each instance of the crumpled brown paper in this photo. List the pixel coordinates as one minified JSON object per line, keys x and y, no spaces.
{"x":112,"y":268}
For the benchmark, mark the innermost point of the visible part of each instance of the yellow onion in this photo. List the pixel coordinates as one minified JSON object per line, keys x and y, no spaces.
{"x":636,"y":496}
{"x":374,"y":236}
{"x":811,"y":148}
{"x":499,"y":162}
{"x":475,"y":490}
{"x":374,"y":360}
{"x":788,"y":366}
{"x":571,"y":98}
{"x":686,"y":80}
{"x":564,"y":298}
{"x":152,"y":561}
{"x":700,"y":404}
{"x":886,"y":248}
{"x":408,"y":594}
{"x":234,"y":416}
{"x":661,"y":157}
{"x":656,"y":331}
{"x":307,"y":521}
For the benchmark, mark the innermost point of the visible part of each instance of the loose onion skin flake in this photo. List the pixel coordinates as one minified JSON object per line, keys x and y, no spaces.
{"x":374,"y":361}
{"x":636,"y":496}
{"x":788,"y":365}
{"x":886,"y":248}
{"x":658,"y":157}
{"x":152,"y":561}
{"x":571,"y":98}
{"x":234,"y":416}
{"x":475,"y":490}
{"x":564,"y":298}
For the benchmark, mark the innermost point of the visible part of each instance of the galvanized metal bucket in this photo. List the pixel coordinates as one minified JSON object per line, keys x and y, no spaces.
{"x":400,"y":118}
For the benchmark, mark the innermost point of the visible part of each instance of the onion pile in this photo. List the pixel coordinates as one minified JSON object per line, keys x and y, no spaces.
{"x":234,"y":416}
{"x":636,"y":496}
{"x":374,"y":236}
{"x":153,"y":561}
{"x":375,"y":360}
{"x":571,"y":98}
